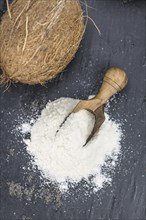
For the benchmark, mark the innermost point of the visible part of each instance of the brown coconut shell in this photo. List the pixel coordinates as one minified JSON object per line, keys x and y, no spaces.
{"x":39,"y":39}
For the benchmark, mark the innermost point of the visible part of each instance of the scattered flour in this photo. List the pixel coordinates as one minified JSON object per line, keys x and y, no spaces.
{"x":26,"y":127}
{"x":62,"y":157}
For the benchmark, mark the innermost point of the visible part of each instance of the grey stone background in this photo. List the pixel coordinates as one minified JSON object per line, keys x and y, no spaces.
{"x":122,"y":43}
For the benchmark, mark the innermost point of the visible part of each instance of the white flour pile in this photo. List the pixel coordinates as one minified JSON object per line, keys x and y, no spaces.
{"x":63,"y":158}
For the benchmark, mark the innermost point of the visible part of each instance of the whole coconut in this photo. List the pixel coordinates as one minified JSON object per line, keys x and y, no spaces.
{"x":39,"y":39}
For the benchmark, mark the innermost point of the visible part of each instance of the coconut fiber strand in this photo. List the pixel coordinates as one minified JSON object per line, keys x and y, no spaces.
{"x":39,"y":38}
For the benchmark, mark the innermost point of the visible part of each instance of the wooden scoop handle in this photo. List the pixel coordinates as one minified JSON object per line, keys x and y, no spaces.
{"x":114,"y":80}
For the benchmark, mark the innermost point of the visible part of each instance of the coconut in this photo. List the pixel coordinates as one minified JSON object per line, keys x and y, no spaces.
{"x":39,"y":38}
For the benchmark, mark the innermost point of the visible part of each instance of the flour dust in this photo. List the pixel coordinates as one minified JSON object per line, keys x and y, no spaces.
{"x":62,"y":157}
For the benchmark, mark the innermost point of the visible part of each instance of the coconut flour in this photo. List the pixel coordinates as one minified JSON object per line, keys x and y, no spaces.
{"x":62,"y":157}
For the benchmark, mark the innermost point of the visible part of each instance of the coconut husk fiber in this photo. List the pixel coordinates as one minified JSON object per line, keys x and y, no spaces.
{"x":38,"y":39}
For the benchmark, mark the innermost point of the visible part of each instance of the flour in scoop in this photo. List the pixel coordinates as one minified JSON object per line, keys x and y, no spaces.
{"x":61,"y":157}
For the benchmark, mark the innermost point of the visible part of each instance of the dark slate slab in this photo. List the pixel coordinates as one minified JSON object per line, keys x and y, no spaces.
{"x":122,"y":43}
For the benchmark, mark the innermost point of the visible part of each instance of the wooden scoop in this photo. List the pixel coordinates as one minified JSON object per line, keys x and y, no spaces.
{"x":114,"y":81}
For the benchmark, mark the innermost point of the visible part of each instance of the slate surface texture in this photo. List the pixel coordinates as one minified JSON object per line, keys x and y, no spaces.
{"x":122,"y":43}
